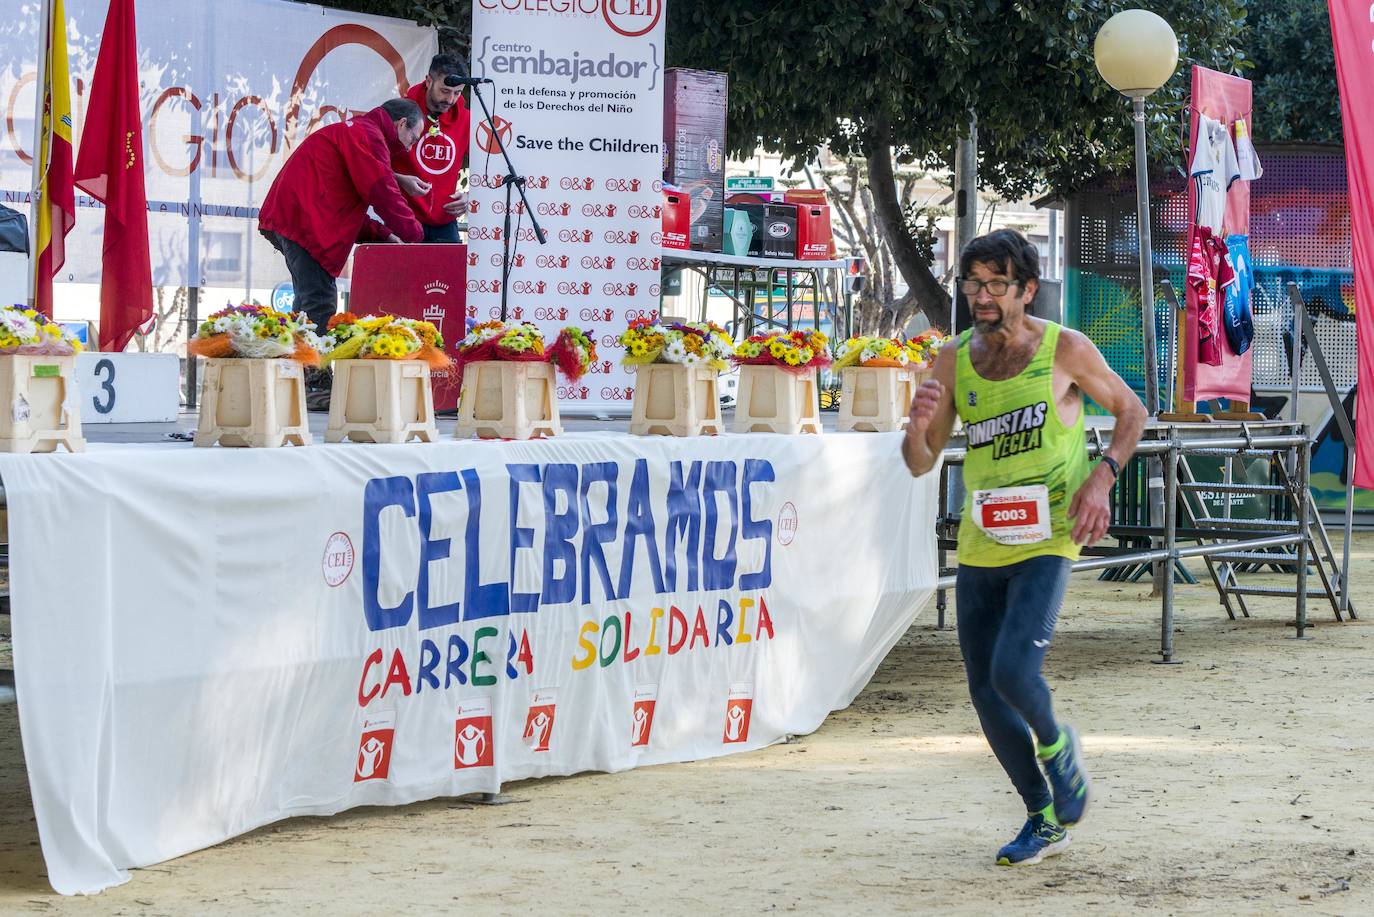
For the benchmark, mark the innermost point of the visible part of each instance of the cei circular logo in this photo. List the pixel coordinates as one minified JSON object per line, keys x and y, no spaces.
{"x":632,"y":17}
{"x":338,"y":559}
{"x":787,"y":524}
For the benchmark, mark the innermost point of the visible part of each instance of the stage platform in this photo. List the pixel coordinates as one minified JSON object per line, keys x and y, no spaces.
{"x":161,"y":433}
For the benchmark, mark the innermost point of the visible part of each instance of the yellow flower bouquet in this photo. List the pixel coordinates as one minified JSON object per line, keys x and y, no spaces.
{"x":794,"y":351}
{"x":29,"y":332}
{"x":256,"y":332}
{"x":384,"y":337}
{"x":684,"y":343}
{"x":925,"y":347}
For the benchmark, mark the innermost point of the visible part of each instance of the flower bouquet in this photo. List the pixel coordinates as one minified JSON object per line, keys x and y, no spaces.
{"x":924,"y":348}
{"x":256,"y":332}
{"x":685,"y":344}
{"x":384,"y":337}
{"x":874,"y":352}
{"x":28,"y":332}
{"x":572,"y":352}
{"x":793,"y":351}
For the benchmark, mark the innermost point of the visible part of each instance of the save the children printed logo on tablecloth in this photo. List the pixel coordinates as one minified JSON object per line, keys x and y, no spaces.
{"x":642,"y":717}
{"x":374,"y":747}
{"x":472,"y":743}
{"x":577,"y":97}
{"x":540,"y":719}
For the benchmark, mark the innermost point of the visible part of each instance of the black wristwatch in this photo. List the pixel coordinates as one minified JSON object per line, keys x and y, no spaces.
{"x":1111,"y":463}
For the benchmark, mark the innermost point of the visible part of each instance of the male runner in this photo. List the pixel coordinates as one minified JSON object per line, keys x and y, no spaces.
{"x":1031,"y":501}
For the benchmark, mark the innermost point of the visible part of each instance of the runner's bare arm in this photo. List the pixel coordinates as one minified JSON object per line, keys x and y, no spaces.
{"x":932,"y":415}
{"x":1090,"y":508}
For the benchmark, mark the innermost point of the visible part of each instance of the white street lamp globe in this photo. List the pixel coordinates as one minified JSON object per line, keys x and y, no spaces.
{"x":1136,"y":52}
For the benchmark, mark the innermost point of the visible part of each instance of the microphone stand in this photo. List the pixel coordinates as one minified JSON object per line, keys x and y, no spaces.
{"x":512,"y":179}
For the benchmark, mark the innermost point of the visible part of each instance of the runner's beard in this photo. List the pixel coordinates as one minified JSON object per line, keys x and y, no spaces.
{"x":983,"y":326}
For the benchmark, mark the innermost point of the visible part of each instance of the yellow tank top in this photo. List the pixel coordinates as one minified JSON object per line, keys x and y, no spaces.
{"x":1017,"y":445}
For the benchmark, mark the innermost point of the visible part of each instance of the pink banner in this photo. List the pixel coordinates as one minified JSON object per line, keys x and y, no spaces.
{"x":1227,"y":99}
{"x":1352,"y":32}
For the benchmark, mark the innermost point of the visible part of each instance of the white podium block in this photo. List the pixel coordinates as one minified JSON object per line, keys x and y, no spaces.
{"x":381,"y":401}
{"x":257,"y":403}
{"x":675,"y":400}
{"x":504,"y":399}
{"x":875,"y":399}
{"x":129,"y":387}
{"x":773,"y":400}
{"x":38,"y":404}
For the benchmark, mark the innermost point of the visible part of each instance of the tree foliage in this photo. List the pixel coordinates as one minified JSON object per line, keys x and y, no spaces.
{"x":1294,"y":70}
{"x":901,"y":77}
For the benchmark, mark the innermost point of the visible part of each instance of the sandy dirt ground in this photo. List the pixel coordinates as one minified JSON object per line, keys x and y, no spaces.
{"x":1238,"y":782}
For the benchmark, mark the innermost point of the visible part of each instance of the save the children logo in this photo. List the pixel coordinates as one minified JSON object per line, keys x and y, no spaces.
{"x":539,"y":721}
{"x":374,"y":748}
{"x":486,"y":136}
{"x":472,"y":739}
{"x":738,"y":709}
{"x":642,"y":716}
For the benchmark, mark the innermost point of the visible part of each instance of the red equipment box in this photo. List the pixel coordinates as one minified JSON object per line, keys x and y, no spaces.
{"x":815,"y":241}
{"x":426,"y":282}
{"x":677,"y":219}
{"x":805,"y":196}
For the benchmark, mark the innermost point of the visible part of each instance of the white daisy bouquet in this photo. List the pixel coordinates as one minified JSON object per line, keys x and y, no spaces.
{"x":29,"y":332}
{"x":684,"y":343}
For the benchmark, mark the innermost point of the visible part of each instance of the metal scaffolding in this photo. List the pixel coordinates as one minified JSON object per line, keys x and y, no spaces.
{"x":1229,"y":544}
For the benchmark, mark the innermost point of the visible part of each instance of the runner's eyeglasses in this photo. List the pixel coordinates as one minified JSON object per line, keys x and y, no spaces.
{"x":970,"y":287}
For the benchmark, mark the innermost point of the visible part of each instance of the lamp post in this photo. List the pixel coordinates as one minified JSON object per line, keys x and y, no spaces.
{"x":1136,"y":52}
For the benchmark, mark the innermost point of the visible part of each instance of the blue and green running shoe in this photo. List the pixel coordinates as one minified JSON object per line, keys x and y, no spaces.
{"x":1068,"y":780}
{"x":1039,"y":838}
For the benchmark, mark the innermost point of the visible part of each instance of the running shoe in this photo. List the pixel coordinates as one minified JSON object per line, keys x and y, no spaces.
{"x":1039,"y":838}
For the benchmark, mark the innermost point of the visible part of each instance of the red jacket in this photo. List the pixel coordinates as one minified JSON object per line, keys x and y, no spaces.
{"x":319,"y":199}
{"x":438,"y":159}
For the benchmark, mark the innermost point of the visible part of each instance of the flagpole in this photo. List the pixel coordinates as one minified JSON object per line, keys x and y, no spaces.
{"x":40,"y":91}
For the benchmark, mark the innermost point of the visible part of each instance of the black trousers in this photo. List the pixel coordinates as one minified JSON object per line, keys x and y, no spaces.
{"x":446,"y":233}
{"x":317,"y":291}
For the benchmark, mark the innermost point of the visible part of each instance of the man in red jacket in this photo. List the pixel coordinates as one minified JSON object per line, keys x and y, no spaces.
{"x":428,"y":173}
{"x":317,"y":206}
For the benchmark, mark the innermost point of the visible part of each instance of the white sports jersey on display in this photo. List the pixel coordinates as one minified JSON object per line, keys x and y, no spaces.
{"x":1214,"y":169}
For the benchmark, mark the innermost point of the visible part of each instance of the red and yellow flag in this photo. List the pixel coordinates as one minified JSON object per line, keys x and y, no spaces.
{"x":56,"y":190}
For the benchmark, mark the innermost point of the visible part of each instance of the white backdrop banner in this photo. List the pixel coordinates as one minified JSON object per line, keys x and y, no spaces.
{"x":577,"y":97}
{"x":263,"y":633}
{"x":228,"y":91}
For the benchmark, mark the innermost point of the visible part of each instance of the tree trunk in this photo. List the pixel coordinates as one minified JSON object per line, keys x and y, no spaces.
{"x":923,"y":287}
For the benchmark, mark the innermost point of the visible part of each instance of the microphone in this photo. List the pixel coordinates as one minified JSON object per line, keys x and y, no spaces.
{"x":453,"y":79}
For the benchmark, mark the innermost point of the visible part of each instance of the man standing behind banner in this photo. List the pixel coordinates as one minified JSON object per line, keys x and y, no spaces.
{"x":428,"y":173}
{"x":317,"y":206}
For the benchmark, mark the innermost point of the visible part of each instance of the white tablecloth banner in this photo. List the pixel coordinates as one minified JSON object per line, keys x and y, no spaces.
{"x":209,"y":640}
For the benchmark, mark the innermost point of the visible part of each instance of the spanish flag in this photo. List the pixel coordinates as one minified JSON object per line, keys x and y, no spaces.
{"x":56,"y":190}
